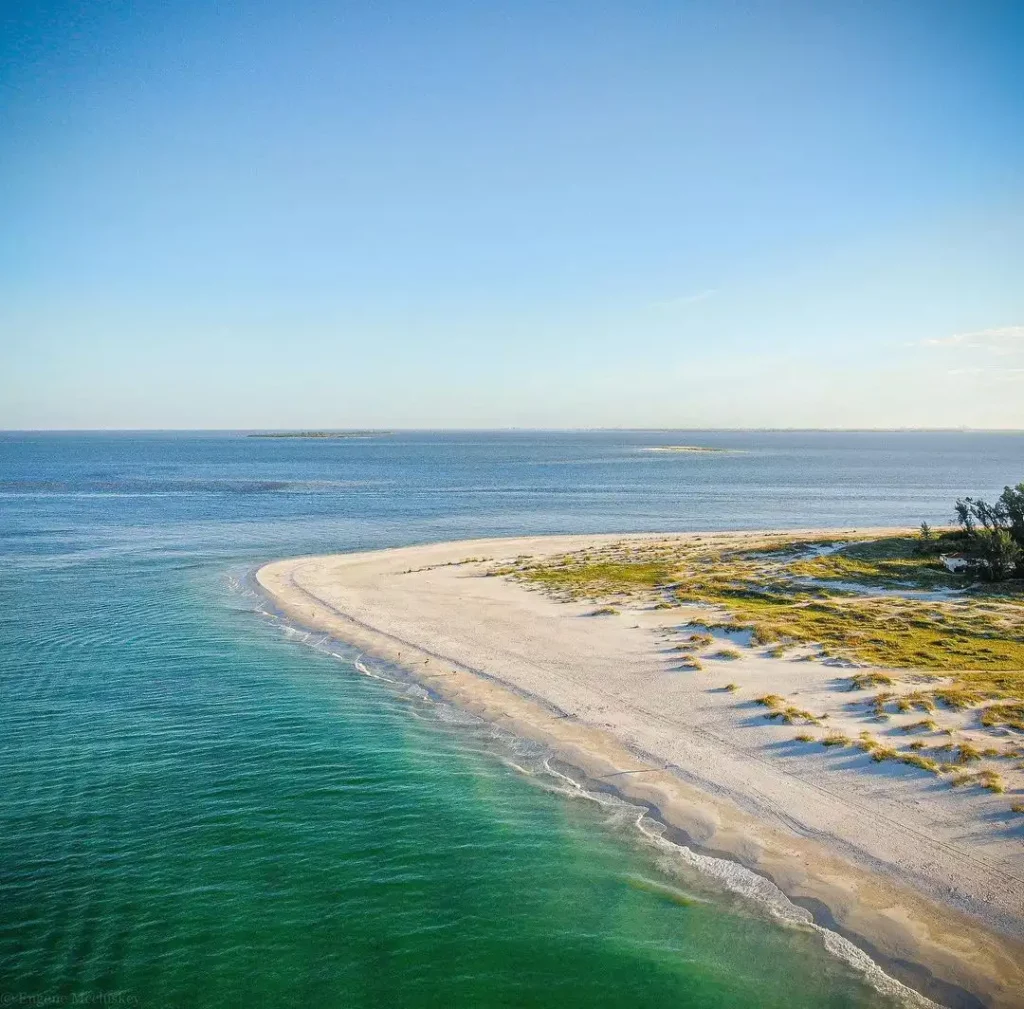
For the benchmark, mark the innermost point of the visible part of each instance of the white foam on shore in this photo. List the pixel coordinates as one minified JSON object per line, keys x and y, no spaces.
{"x":731,"y":875}
{"x":748,"y":884}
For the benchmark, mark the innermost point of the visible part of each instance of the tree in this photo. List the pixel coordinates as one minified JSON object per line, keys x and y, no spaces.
{"x":1012,"y":502}
{"x":995,"y":532}
{"x":965,"y":515}
{"x":998,"y":553}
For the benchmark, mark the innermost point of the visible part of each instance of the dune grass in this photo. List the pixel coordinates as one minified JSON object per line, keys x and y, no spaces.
{"x":836,"y":739}
{"x":890,"y":561}
{"x":973,"y":640}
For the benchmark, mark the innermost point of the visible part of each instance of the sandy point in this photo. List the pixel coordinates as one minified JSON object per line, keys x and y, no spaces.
{"x":916,"y":875}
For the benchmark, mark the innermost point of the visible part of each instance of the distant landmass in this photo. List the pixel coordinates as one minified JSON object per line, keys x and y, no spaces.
{"x":321,"y":434}
{"x":688,"y":448}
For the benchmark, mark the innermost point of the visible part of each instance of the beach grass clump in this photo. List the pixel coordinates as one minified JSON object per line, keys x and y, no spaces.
{"x":776,"y":651}
{"x":862,"y":681}
{"x":835,"y":739}
{"x":920,"y":700}
{"x":805,"y":737}
{"x":917,"y":745}
{"x":731,"y":687}
{"x":605,"y":611}
{"x":792,"y":714}
{"x":725,"y":654}
{"x":690,"y":662}
{"x":692,"y":642}
{"x":959,"y":696}
{"x":926,"y":725}
{"x":1017,"y":807}
{"x":879,"y":701}
{"x":966,"y":752}
{"x":1009,"y":713}
{"x":770,"y":700}
{"x":992,"y":780}
{"x":919,"y":761}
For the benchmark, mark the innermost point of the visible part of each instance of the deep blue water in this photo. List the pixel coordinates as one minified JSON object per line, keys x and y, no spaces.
{"x":196,"y":809}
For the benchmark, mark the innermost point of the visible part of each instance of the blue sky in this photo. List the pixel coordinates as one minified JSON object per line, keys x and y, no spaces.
{"x":532,"y":214}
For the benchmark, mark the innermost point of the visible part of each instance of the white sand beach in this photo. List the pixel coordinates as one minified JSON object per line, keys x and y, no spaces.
{"x":916,"y":872}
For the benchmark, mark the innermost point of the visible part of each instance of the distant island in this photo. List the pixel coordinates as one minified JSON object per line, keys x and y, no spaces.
{"x":688,"y":448}
{"x":322,"y":434}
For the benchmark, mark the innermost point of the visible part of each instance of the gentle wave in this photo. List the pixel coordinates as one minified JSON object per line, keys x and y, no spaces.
{"x":736,"y":878}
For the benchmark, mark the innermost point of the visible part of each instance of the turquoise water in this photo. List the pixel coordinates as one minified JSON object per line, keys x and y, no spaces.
{"x":200,"y":809}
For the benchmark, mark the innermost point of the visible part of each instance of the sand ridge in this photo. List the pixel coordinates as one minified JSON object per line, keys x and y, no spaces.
{"x":916,"y":873}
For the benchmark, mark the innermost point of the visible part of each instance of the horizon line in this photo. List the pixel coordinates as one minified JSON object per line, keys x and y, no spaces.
{"x":961,"y":429}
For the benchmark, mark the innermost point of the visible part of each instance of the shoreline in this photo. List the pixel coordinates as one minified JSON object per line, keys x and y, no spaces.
{"x":403,"y":604}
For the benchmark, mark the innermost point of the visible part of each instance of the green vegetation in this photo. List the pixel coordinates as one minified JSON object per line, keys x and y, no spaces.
{"x":920,"y":762}
{"x":793,"y":714}
{"x":990,"y":780}
{"x":600,"y":577}
{"x":694,"y":641}
{"x":890,"y":562}
{"x":861,"y":680}
{"x":835,"y":739}
{"x":726,"y":654}
{"x":1010,"y":713}
{"x":605,"y":611}
{"x":784,"y":591}
{"x":993,"y":534}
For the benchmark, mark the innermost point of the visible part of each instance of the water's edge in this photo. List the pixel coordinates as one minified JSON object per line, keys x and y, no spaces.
{"x":906,"y":979}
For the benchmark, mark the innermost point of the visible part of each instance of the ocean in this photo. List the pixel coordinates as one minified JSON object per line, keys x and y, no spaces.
{"x":201,"y":806}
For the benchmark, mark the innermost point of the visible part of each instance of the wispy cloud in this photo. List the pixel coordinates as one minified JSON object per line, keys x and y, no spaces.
{"x":686,"y":299}
{"x":1003,"y":340}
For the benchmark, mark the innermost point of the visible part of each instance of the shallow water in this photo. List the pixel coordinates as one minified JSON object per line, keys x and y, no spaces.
{"x":201,"y":807}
